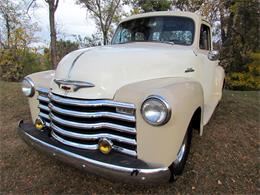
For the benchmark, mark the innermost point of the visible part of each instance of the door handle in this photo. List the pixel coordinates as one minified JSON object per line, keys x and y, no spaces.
{"x":189,"y":70}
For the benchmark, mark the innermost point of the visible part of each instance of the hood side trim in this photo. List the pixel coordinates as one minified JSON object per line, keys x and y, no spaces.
{"x":74,"y":62}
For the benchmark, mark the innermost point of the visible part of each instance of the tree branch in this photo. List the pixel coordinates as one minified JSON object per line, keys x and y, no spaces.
{"x":29,"y":6}
{"x":56,"y":5}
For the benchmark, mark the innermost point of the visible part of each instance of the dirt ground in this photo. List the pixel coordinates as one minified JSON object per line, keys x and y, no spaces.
{"x":223,"y":160}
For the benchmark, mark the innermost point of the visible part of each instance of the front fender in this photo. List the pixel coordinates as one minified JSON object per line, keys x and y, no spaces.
{"x":159,"y":145}
{"x":40,"y":79}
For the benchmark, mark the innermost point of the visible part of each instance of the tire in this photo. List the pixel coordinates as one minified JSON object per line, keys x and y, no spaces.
{"x":178,"y":165}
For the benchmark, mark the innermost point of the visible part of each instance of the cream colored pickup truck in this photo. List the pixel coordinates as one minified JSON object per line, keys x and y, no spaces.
{"x":127,"y":110}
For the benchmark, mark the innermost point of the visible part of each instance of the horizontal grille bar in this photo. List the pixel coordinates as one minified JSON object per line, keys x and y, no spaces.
{"x":42,"y":90}
{"x":112,"y":126}
{"x":43,"y":99}
{"x":91,"y":114}
{"x":47,"y":124}
{"x":43,"y":107}
{"x":43,"y":115}
{"x":90,"y":147}
{"x":92,"y":136}
{"x":89,"y":103}
{"x":74,"y":144}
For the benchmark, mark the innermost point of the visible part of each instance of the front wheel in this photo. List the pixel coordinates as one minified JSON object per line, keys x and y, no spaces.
{"x":178,"y":165}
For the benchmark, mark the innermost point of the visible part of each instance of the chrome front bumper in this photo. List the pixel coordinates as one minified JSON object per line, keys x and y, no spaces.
{"x":120,"y":167}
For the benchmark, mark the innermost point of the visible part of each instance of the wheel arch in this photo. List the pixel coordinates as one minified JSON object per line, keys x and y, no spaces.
{"x":196,"y":121}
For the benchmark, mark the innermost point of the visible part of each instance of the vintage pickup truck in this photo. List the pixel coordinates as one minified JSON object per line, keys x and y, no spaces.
{"x":127,"y":110}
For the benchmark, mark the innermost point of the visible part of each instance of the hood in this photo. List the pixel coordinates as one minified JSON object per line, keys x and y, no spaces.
{"x":109,"y":68}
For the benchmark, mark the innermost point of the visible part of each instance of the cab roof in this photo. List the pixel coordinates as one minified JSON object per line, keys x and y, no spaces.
{"x":194,"y":16}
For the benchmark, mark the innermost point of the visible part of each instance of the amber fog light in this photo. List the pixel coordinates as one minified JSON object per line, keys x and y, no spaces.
{"x":105,"y":146}
{"x":39,"y":124}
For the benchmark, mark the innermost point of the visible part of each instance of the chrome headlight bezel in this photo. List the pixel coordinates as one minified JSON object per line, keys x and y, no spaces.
{"x":28,"y":87}
{"x":165,"y":105}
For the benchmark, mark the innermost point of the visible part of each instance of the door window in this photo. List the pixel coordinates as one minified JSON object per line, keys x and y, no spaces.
{"x":205,"y":39}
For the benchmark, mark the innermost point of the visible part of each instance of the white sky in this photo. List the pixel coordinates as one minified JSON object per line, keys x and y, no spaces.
{"x":71,"y":19}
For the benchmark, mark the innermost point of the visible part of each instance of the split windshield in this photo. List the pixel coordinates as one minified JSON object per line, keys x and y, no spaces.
{"x":168,"y":29}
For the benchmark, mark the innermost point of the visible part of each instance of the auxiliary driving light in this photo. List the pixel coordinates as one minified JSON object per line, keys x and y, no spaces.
{"x":39,"y":124}
{"x":105,"y":146}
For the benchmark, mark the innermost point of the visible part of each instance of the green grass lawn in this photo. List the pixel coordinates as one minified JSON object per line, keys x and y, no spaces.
{"x":223,"y":160}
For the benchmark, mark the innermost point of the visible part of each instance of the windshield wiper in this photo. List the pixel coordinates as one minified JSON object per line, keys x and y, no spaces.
{"x":166,"y":42}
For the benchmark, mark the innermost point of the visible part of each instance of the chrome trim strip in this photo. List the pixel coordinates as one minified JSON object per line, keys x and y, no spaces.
{"x":90,"y":147}
{"x":93,"y":136}
{"x":43,"y":107}
{"x":44,"y":99}
{"x":189,"y":70}
{"x":93,"y":125}
{"x":91,"y":114}
{"x":45,"y":116}
{"x":89,"y":103}
{"x":42,"y":90}
{"x":121,"y":173}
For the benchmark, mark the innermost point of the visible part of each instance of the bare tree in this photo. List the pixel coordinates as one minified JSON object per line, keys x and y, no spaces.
{"x":9,"y":15}
{"x":53,"y":5}
{"x":17,"y":30}
{"x":104,"y":12}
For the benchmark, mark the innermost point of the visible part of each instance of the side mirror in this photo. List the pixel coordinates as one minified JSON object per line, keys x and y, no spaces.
{"x":213,"y":55}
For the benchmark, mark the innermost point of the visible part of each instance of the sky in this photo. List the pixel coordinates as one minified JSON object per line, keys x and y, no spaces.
{"x":71,"y":19}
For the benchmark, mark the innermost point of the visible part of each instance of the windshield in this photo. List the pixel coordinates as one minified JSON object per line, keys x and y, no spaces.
{"x":178,"y":30}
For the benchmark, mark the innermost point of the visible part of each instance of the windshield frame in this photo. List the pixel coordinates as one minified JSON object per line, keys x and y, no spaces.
{"x":193,"y":37}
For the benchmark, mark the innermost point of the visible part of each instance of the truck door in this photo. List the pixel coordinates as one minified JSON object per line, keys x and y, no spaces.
{"x":207,"y":67}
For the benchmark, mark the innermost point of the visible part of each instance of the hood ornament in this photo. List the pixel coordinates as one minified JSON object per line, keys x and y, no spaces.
{"x":72,"y":86}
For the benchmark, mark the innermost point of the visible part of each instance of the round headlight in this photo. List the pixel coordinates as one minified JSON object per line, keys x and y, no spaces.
{"x":28,"y":87}
{"x":156,"y":111}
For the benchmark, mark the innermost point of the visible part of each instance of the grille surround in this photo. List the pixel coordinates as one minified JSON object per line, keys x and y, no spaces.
{"x":82,"y":123}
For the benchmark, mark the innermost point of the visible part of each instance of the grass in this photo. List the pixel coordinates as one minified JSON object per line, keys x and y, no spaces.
{"x":223,"y":160}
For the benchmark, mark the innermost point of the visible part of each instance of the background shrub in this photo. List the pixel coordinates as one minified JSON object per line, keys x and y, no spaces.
{"x":248,"y":79}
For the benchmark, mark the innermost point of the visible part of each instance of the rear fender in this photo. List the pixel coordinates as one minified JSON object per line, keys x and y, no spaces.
{"x":219,"y":81}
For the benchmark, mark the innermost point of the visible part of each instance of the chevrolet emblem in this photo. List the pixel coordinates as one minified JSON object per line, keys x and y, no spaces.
{"x":72,"y":86}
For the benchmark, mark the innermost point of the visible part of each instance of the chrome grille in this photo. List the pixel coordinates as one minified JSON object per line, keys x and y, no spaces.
{"x":82,"y":123}
{"x":43,"y":105}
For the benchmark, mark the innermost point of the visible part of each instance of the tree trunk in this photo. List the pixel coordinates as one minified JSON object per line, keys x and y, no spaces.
{"x":105,"y":38}
{"x":223,"y":25}
{"x":53,"y":35}
{"x":7,"y":25}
